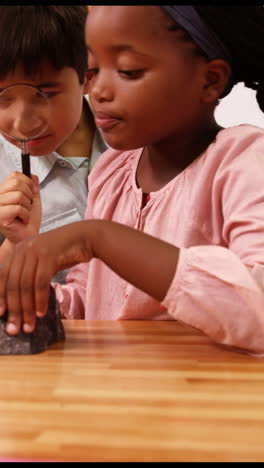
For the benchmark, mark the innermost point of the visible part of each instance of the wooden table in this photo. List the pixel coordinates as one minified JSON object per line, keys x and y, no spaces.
{"x":132,"y":391}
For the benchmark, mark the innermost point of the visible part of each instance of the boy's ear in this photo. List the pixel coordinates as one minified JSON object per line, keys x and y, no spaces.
{"x":86,"y":84}
{"x":218,"y":73}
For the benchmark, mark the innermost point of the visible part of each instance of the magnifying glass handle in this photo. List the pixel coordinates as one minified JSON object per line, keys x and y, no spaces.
{"x":26,"y":164}
{"x":25,"y":159}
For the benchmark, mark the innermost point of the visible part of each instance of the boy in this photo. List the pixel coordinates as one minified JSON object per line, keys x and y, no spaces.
{"x":48,"y":48}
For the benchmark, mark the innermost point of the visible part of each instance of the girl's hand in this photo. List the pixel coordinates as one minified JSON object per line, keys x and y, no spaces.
{"x":20,"y":207}
{"x":140,"y":259}
{"x":27,"y":272}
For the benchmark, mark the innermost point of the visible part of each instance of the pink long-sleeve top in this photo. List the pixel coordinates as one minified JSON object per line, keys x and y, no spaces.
{"x":214,"y":212}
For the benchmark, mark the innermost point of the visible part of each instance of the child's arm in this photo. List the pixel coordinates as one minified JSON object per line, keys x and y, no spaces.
{"x":219,"y":290}
{"x":6,"y":249}
{"x":207,"y":287}
{"x":142,"y":260}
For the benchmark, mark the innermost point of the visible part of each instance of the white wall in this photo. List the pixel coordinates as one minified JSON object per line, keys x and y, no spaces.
{"x":240,"y":106}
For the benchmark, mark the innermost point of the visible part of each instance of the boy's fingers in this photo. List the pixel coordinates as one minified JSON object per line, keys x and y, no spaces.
{"x":35,"y":180}
{"x":18,"y":189}
{"x":9,"y":213}
{"x":15,"y":198}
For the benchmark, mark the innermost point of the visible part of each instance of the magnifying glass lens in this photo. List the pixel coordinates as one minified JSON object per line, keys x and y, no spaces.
{"x":24,"y":116}
{"x":24,"y":112}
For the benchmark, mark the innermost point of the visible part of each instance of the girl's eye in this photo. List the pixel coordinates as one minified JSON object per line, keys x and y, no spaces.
{"x":131,"y":74}
{"x":91,"y":72}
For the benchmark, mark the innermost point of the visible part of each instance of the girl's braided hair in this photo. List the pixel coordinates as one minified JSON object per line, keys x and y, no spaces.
{"x":241,"y":29}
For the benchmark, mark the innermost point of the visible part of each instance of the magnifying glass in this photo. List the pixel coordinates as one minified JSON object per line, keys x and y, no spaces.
{"x":24,"y":116}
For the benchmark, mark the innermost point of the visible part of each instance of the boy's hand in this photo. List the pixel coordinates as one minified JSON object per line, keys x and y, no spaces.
{"x":20,"y":207}
{"x":27,"y":272}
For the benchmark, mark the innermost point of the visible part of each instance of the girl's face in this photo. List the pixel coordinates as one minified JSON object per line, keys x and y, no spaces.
{"x":145,"y":80}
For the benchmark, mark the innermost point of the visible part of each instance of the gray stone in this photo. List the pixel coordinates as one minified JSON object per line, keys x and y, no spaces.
{"x":48,"y":330}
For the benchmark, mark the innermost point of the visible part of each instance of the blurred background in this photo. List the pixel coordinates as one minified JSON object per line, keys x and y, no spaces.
{"x":240,"y":106}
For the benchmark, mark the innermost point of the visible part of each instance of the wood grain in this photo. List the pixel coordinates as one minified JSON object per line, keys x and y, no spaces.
{"x":132,"y":391}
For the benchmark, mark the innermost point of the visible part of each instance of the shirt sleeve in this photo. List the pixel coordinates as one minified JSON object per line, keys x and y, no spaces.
{"x":71,"y":296}
{"x":220,"y":289}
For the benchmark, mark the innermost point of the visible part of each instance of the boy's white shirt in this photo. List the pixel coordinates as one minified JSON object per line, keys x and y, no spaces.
{"x":55,"y":171}
{"x":63,"y":181}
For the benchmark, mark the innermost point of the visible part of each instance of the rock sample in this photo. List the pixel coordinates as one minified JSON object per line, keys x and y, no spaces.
{"x":48,"y":330}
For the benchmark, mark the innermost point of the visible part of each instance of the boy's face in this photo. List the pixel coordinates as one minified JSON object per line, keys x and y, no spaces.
{"x":146,"y":81}
{"x":65,"y":94}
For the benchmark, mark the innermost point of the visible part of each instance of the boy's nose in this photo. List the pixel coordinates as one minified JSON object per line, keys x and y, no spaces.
{"x":24,"y":111}
{"x":27,"y":125}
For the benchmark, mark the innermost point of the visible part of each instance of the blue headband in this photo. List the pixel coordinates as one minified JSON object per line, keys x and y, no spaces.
{"x":188,"y":18}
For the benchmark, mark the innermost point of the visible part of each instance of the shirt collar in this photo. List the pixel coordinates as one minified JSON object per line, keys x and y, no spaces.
{"x":39,"y":165}
{"x":42,"y":165}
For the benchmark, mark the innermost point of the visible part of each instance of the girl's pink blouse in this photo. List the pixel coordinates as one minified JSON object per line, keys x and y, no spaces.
{"x":214,"y":212}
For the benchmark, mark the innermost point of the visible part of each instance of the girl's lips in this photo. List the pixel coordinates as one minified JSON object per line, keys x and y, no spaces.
{"x":105,"y":121}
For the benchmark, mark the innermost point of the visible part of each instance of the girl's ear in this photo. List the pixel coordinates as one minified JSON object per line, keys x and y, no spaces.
{"x":86,"y":84}
{"x":218,"y":73}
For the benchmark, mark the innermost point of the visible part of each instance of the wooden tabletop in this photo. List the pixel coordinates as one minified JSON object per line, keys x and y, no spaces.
{"x":132,"y":391}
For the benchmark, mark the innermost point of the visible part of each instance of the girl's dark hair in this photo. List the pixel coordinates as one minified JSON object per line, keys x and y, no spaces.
{"x":241,"y":29}
{"x":32,"y":33}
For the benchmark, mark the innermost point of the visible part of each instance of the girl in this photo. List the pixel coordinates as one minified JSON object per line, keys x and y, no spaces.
{"x":175,"y":217}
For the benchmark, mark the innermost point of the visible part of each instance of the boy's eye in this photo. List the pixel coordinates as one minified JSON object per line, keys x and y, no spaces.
{"x":5,"y":99}
{"x":131,"y":74}
{"x":51,"y":93}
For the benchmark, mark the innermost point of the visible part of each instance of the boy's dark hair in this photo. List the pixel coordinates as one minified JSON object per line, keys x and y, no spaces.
{"x":241,"y":29}
{"x":30,"y":34}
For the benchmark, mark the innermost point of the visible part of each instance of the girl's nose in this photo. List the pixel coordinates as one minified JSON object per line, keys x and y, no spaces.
{"x":100,"y":88}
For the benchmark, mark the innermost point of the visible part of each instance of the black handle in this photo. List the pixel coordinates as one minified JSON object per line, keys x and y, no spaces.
{"x":26,"y":164}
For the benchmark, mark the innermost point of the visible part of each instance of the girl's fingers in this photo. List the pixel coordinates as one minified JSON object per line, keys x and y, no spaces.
{"x":9,"y":296}
{"x":24,"y":290}
{"x":43,"y":278}
{"x":27,"y":295}
{"x":3,"y":281}
{"x":12,"y":296}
